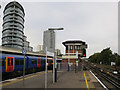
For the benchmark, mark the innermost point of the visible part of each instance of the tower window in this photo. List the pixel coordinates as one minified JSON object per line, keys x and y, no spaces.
{"x":75,"y":47}
{"x":71,"y":47}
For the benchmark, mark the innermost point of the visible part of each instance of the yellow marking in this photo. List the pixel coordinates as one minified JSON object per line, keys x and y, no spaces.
{"x":86,"y":81}
{"x":5,"y":84}
{"x":108,"y":72}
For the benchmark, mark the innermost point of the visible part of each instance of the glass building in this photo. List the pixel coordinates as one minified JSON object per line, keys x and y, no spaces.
{"x":13,"y":25}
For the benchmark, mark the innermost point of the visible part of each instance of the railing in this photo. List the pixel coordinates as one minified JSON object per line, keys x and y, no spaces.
{"x":17,"y":9}
{"x":9,"y":31}
{"x":18,"y":43}
{"x":7,"y":20}
{"x":15,"y":35}
{"x":11,"y":27}
{"x":13,"y":13}
{"x":10,"y":39}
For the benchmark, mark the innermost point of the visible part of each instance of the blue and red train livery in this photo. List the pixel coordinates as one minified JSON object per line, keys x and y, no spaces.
{"x":15,"y":63}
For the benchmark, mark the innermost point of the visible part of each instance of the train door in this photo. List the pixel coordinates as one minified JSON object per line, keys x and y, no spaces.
{"x":48,"y":62}
{"x":9,"y":64}
{"x":38,"y":62}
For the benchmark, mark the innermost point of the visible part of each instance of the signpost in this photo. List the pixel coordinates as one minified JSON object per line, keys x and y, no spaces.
{"x":46,"y":70}
{"x":76,"y":54}
{"x":24,"y":52}
{"x":49,"y":41}
{"x":76,"y":62}
{"x":47,"y":54}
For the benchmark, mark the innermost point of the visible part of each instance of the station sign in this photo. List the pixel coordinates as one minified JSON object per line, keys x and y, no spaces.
{"x":76,"y":54}
{"x":24,"y":51}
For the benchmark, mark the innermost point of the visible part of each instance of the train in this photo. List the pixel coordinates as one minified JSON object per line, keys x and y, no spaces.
{"x":13,"y":64}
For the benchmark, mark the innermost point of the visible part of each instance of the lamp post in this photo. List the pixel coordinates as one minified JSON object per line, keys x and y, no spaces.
{"x":54,"y":62}
{"x":68,"y":58}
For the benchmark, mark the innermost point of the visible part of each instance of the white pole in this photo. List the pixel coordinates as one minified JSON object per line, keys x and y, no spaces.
{"x":68,"y":58}
{"x":46,"y":70}
{"x":59,"y":66}
{"x":53,"y":67}
{"x":24,"y":69}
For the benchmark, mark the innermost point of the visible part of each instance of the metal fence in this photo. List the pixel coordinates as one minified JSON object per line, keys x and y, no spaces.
{"x":72,"y":66}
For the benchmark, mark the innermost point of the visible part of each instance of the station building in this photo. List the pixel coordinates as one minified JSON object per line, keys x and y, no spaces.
{"x":73,"y":47}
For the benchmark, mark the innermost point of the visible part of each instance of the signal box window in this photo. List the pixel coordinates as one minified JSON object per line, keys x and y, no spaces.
{"x":75,"y":47}
{"x":71,"y":47}
{"x":78,"y":47}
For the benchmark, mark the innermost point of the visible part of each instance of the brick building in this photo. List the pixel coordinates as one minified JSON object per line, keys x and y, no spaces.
{"x":71,"y":47}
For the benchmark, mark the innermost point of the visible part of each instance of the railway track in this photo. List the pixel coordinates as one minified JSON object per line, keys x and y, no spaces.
{"x":106,"y":77}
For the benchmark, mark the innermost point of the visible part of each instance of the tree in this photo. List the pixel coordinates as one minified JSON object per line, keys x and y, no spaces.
{"x":105,"y":56}
{"x":117,"y":59}
{"x":94,"y":58}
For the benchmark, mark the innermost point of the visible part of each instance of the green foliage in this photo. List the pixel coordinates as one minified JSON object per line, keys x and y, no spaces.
{"x":106,"y":57}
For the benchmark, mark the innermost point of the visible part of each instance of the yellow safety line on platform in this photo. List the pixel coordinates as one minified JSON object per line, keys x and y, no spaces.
{"x":21,"y":79}
{"x":86,"y":81}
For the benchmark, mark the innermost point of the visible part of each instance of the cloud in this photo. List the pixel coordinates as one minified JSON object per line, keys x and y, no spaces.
{"x":93,"y":22}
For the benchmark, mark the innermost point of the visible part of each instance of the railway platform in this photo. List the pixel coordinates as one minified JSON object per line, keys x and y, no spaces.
{"x":65,"y":79}
{"x":81,"y":79}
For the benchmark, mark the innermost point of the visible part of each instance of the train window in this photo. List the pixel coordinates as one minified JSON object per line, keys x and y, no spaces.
{"x":0,"y":62}
{"x":21,"y":62}
{"x":32,"y":61}
{"x":43,"y":61}
{"x":11,"y":61}
{"x":38,"y":61}
{"x":16,"y":62}
{"x":8,"y":61}
{"x":35,"y":62}
{"x":3,"y":62}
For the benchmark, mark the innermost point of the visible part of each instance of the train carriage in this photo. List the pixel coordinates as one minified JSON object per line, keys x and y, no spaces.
{"x":13,"y":64}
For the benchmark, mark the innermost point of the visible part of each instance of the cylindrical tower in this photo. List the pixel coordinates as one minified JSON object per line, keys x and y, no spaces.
{"x":13,"y":25}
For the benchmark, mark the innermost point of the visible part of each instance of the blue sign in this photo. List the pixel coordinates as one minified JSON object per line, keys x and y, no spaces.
{"x":23,"y":51}
{"x":76,"y":54}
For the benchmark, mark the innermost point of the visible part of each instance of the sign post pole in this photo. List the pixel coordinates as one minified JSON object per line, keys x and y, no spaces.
{"x":46,"y":70}
{"x":76,"y":66}
{"x":24,"y":52}
{"x":55,"y":69}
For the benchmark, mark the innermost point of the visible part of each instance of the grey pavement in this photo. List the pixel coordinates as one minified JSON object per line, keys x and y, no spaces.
{"x":65,"y":79}
{"x":70,"y":80}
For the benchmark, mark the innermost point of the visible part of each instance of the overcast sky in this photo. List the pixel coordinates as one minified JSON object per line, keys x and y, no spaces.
{"x":96,"y":23}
